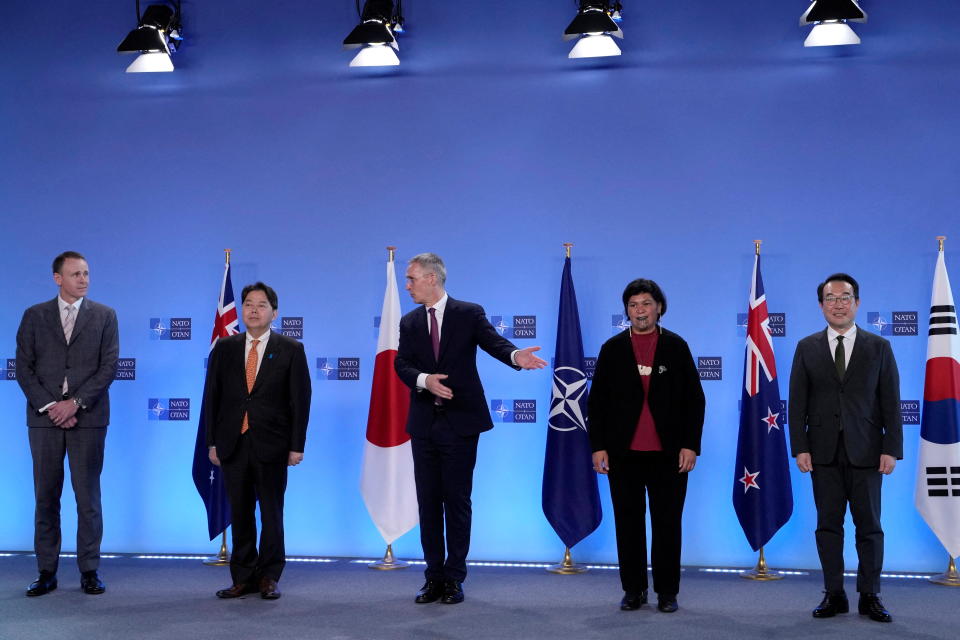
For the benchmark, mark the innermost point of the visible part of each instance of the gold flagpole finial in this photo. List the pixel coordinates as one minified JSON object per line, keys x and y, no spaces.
{"x":940,"y":239}
{"x":390,"y":251}
{"x":227,"y":251}
{"x":566,"y":246}
{"x":756,"y":246}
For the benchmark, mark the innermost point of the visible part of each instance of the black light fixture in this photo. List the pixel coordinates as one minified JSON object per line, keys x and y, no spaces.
{"x":595,"y":23}
{"x":829,"y":19}
{"x":158,"y":34}
{"x":375,"y":35}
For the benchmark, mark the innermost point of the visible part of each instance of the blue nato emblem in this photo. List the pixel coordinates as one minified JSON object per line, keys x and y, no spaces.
{"x":290,"y":326}
{"x":168,"y":409}
{"x":777,"y":325}
{"x":910,"y":411}
{"x":513,"y":410}
{"x":566,"y":409}
{"x":338,"y":368}
{"x":10,"y":369}
{"x":894,"y":323}
{"x":171,"y":328}
{"x":515,"y":327}
{"x":710,"y":367}
{"x":126,"y":369}
{"x":619,"y":322}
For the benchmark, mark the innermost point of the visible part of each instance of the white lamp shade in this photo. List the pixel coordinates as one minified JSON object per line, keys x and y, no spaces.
{"x":151,"y":63}
{"x":375,"y":55}
{"x":828,"y":34}
{"x":594,"y":45}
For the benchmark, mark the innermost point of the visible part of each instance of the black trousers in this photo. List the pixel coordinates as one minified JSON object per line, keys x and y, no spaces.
{"x":248,"y":481}
{"x":634,"y":476}
{"x":84,"y":450}
{"x":835,"y":485}
{"x":443,"y":463}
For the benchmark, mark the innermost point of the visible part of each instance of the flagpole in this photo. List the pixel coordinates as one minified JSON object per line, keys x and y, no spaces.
{"x":222,"y":558}
{"x":949,"y":579}
{"x":567,"y":566}
{"x":389,"y":561}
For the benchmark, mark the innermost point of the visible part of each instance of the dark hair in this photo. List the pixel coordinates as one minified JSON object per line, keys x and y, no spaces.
{"x":839,"y":277}
{"x":259,"y":286}
{"x":63,"y":257}
{"x":642,"y":285}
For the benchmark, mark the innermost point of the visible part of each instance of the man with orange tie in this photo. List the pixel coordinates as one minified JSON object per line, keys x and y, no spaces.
{"x":257,"y":404}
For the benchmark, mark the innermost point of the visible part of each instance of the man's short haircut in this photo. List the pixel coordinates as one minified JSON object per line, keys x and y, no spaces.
{"x":839,"y":277}
{"x":63,"y":257}
{"x":267,"y":291}
{"x":642,"y":285}
{"x":431,"y":262}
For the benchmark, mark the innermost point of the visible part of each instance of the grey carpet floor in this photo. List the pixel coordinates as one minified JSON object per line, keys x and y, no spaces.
{"x":347,"y":601}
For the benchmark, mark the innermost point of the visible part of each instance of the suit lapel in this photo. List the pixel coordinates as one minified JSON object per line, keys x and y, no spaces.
{"x":826,"y":360}
{"x":52,"y":318}
{"x":449,"y":322}
{"x":266,"y":364}
{"x":855,"y":356}
{"x":83,"y":318}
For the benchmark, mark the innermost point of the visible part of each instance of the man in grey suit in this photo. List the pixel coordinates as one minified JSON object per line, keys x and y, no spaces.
{"x":67,"y":351}
{"x":845,"y":427}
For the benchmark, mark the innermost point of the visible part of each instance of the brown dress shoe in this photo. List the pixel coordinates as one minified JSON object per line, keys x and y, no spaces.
{"x":268,"y":589}
{"x":236,"y":591}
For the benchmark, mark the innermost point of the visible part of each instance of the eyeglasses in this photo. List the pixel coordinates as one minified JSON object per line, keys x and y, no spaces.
{"x":832,"y":300}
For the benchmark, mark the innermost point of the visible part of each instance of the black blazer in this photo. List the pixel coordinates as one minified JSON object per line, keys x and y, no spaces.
{"x":616,"y":395}
{"x":867,"y":401}
{"x":278,"y":406}
{"x":89,"y":362}
{"x":465,"y":327}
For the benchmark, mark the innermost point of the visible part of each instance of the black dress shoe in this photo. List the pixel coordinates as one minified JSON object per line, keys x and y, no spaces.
{"x":429,"y":592}
{"x":667,"y":603}
{"x":44,"y":584}
{"x":870,"y":605}
{"x":268,"y":589}
{"x":831,"y":605}
{"x":91,"y":584}
{"x":237,"y":590}
{"x":633,"y":600}
{"x":452,"y":592}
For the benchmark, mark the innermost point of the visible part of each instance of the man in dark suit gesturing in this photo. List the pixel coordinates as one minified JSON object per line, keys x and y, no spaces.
{"x":67,"y":352}
{"x":257,"y":403}
{"x":437,"y":359}
{"x":845,"y":427}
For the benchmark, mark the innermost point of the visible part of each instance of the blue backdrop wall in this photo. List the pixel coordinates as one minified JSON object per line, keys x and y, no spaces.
{"x":491,"y":148}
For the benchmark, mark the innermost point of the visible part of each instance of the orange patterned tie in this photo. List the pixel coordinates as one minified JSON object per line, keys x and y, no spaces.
{"x":251,"y":377}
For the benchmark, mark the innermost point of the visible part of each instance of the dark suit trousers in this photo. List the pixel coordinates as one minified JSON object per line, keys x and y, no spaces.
{"x":443,"y":463}
{"x":634,"y":476}
{"x":249,"y":480}
{"x":834,"y":485}
{"x":84,"y":450}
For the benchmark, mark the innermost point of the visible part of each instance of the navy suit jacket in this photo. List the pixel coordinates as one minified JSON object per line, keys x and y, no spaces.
{"x":278,"y":405}
{"x":465,"y":327}
{"x":89,"y":361}
{"x":866,"y":401}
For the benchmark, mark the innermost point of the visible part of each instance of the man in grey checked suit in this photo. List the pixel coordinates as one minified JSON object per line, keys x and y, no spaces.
{"x":67,"y":351}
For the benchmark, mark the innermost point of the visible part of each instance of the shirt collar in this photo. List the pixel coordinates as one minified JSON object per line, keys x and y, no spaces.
{"x":63,"y":304}
{"x":441,"y":304}
{"x":263,"y":339}
{"x":848,"y":336}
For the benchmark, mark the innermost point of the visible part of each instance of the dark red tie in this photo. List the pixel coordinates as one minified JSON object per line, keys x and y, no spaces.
{"x":434,"y":334}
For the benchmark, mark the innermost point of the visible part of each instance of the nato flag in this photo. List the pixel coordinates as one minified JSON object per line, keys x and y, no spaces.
{"x":571,"y":501}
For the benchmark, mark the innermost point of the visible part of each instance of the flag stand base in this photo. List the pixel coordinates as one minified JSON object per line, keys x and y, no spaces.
{"x":222,"y":559}
{"x":388,"y":562}
{"x":761,"y":572}
{"x":567,"y":567}
{"x":949,"y":579}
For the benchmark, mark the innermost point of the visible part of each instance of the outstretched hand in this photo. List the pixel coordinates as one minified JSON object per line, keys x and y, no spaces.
{"x":526,"y":360}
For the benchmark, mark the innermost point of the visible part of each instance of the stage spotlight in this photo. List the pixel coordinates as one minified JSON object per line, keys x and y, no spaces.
{"x":593,"y":27}
{"x":158,"y":34}
{"x":829,"y":19}
{"x":379,"y":21}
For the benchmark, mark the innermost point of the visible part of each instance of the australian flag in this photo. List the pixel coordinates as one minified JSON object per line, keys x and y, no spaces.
{"x":207,"y":476}
{"x":571,"y":501}
{"x":762,"y":495}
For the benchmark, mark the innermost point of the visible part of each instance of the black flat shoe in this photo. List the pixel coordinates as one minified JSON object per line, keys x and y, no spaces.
{"x":43,"y":585}
{"x":429,"y":592}
{"x":667,"y":604}
{"x":831,"y":605}
{"x":870,"y":605}
{"x":452,"y":592}
{"x":91,"y":584}
{"x":633,"y":600}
